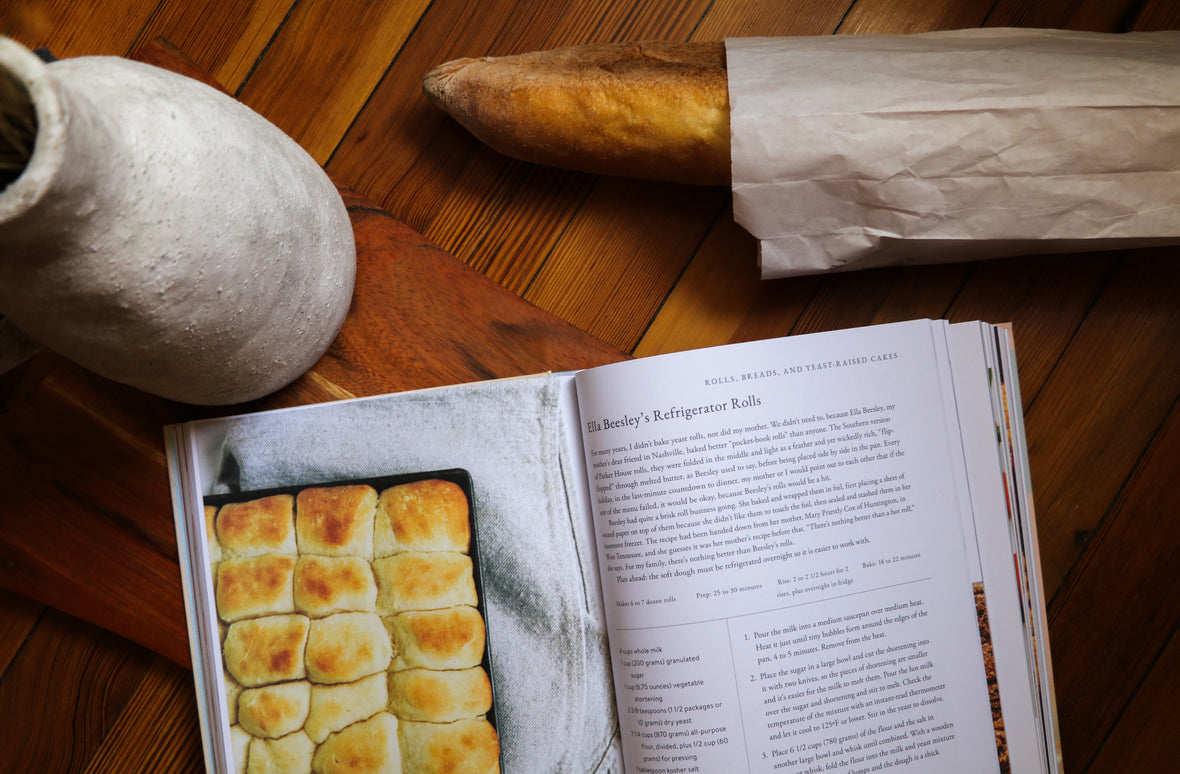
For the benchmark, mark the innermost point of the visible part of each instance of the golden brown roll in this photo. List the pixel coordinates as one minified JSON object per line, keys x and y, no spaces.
{"x":451,"y":638}
{"x":439,"y":696}
{"x":272,"y":711}
{"x":336,"y":521}
{"x":260,"y":651}
{"x":346,"y":647}
{"x":368,"y":747}
{"x":232,"y":691}
{"x":334,"y":707}
{"x":211,"y":535}
{"x":239,"y":748}
{"x":324,"y":585}
{"x":262,"y":526}
{"x":290,"y":754}
{"x":462,"y":747}
{"x":255,"y":586}
{"x":431,"y":515}
{"x":651,"y":109}
{"x":424,"y":581}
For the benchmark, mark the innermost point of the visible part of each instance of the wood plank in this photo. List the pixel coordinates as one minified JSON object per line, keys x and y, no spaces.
{"x":57,"y":463}
{"x":711,"y":298}
{"x":901,"y":17}
{"x":1103,"y":404}
{"x":70,"y":29}
{"x":1088,"y":15}
{"x":62,"y":694}
{"x":422,"y":152}
{"x":617,"y":260}
{"x":1046,"y":298}
{"x":1147,"y":737}
{"x":735,"y":18}
{"x":157,"y":730}
{"x":1158,"y":15}
{"x":18,"y":618}
{"x":224,"y":38}
{"x":322,"y":66}
{"x":1116,"y":612}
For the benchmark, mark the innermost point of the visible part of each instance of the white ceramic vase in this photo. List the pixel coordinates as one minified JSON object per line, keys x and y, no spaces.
{"x":165,"y":236}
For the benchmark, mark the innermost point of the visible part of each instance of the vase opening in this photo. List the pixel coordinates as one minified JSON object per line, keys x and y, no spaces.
{"x":18,"y":128}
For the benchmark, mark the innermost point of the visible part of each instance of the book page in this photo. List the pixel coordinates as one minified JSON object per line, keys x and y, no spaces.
{"x":783,"y":558}
{"x":402,"y":606}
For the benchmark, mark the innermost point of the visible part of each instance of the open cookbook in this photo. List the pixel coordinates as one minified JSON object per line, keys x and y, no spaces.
{"x":808,"y":554}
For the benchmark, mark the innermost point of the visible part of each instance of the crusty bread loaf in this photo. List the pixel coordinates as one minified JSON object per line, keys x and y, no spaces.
{"x":655,"y":109}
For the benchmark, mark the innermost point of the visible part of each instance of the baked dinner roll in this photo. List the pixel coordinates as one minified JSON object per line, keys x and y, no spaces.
{"x":211,"y":542}
{"x":289,"y":755}
{"x":451,"y":638}
{"x":346,"y":647}
{"x":431,"y":515}
{"x":239,"y":748}
{"x":254,"y":586}
{"x":260,"y":651}
{"x":334,"y":707}
{"x":262,"y":526}
{"x":418,"y":581}
{"x":439,"y":696}
{"x":274,"y":710}
{"x":368,"y":747}
{"x":462,"y":747}
{"x":336,"y":521}
{"x":232,"y":692}
{"x":324,"y":585}
{"x":653,"y":109}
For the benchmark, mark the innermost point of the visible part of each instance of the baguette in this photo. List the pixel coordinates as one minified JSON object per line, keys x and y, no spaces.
{"x":657,"y":109}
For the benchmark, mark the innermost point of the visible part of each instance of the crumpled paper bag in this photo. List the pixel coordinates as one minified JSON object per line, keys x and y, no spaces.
{"x":855,"y":151}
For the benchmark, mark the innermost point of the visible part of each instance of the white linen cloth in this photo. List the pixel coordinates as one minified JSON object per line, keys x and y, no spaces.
{"x":554,"y":704}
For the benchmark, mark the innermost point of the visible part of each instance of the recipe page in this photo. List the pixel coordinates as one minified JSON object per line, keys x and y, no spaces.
{"x":782,"y":555}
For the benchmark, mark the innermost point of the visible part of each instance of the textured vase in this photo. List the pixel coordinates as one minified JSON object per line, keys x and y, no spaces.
{"x":165,"y":236}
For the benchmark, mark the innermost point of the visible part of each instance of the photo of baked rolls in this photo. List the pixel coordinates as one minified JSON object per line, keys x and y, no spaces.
{"x":352,"y":637}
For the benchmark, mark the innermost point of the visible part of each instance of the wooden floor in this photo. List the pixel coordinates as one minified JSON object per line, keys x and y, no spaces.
{"x":652,"y":268}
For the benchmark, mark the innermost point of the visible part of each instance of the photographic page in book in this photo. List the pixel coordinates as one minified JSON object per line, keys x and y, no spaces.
{"x":783,"y":557}
{"x":532,"y":550}
{"x":352,"y":625}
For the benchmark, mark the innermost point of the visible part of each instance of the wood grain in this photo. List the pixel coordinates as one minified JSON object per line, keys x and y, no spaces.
{"x":475,"y":265}
{"x":63,"y":693}
{"x":1127,"y":581}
